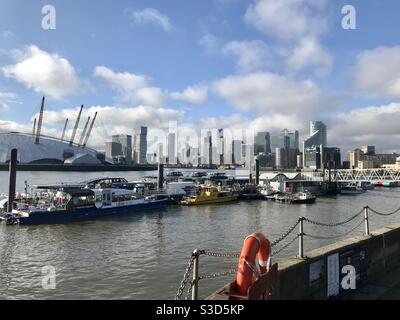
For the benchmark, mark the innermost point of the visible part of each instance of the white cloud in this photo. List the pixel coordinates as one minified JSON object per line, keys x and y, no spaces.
{"x":272,"y":94}
{"x":309,"y":54}
{"x":44,"y":72}
{"x":374,"y":125}
{"x":152,"y":16}
{"x":110,"y":120}
{"x":288,"y":19}
{"x":251,"y":55}
{"x":209,"y":42}
{"x":192,"y":95}
{"x":377,"y":72}
{"x":131,"y":87}
{"x":5,"y":99}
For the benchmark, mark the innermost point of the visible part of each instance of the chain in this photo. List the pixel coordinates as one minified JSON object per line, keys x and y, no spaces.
{"x":185,"y":278}
{"x":284,"y":235}
{"x":220,"y":254}
{"x":217,"y":274}
{"x":384,"y":214}
{"x":274,"y":253}
{"x":334,"y":224}
{"x":189,"y":291}
{"x":334,"y":237}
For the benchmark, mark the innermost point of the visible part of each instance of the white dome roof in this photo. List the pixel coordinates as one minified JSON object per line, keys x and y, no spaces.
{"x":47,"y":149}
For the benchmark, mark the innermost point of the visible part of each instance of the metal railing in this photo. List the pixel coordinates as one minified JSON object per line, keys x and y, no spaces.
{"x":193,"y":264}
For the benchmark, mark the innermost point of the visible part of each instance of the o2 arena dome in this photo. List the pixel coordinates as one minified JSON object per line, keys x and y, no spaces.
{"x":39,"y":149}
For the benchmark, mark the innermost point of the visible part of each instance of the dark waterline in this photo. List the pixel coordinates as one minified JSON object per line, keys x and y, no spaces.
{"x":144,"y":255}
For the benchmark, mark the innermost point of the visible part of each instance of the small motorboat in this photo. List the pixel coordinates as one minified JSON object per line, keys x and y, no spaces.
{"x":303,"y":197}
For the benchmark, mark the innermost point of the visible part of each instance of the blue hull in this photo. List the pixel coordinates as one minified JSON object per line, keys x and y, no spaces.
{"x":89,"y":213}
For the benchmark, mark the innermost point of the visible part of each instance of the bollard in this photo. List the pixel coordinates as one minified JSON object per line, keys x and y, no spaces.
{"x":160,"y":176}
{"x":301,"y":234}
{"x":366,"y":221}
{"x":195,"y":279}
{"x":12,"y":180}
{"x":257,"y":171}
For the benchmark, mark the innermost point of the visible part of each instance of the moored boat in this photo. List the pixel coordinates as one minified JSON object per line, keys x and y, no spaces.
{"x":66,"y":205}
{"x":303,"y":197}
{"x":351,"y":189}
{"x":208,"y":195}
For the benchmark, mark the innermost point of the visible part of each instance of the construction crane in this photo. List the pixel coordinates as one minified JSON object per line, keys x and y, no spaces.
{"x":90,"y":130}
{"x":65,"y":128}
{"x":84,"y":131}
{"x":39,"y":127}
{"x":76,"y":126}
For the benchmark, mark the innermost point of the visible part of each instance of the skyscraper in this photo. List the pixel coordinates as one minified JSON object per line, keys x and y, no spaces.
{"x":140,"y":145}
{"x":171,"y":148}
{"x":262,"y":143}
{"x":318,"y":137}
{"x":126,"y":145}
{"x":293,"y":138}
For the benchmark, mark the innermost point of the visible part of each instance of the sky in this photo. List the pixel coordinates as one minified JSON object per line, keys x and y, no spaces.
{"x":260,"y":64}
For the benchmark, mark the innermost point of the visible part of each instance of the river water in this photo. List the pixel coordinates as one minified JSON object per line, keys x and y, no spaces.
{"x":144,"y":255}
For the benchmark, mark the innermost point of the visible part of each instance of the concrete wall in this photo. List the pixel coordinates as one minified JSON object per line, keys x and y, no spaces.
{"x":382,"y":253}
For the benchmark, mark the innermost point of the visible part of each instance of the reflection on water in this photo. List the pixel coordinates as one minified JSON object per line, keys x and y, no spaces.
{"x":144,"y":255}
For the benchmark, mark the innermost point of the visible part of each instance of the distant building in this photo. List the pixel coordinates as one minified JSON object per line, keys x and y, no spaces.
{"x":140,"y":145}
{"x":221,"y":146}
{"x":237,"y":152}
{"x":293,"y":136}
{"x":281,"y":158}
{"x":299,"y":161}
{"x":113,"y":150}
{"x":320,"y":157}
{"x":318,"y":137}
{"x":262,"y":143}
{"x":171,"y":148}
{"x":366,"y":158}
{"x":126,"y":144}
{"x":368,"y":150}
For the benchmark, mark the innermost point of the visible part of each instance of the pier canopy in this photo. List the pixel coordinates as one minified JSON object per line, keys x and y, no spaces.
{"x":278,"y":176}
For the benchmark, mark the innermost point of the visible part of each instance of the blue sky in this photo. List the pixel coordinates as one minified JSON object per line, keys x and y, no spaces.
{"x":264,"y":64}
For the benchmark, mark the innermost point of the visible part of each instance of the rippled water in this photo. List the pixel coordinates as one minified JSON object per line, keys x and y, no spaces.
{"x":144,"y":255}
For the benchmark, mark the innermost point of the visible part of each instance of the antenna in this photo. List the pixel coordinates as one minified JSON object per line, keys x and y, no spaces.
{"x":76,"y":126}
{"x":84,"y":131}
{"x":65,"y":128}
{"x":39,"y":127}
{"x":90,"y":130}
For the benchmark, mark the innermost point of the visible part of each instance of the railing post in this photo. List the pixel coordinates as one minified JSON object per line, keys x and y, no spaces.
{"x":366,"y":221}
{"x":195,"y":279}
{"x":301,"y":234}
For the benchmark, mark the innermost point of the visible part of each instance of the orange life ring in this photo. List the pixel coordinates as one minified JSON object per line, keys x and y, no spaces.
{"x":254,"y":245}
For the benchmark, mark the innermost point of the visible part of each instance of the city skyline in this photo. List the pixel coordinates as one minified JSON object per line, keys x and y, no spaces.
{"x":224,"y":64}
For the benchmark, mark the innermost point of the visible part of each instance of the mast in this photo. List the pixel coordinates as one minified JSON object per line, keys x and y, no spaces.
{"x":76,"y":126}
{"x":39,"y":126}
{"x":90,"y":130}
{"x":34,"y":128}
{"x":84,"y":131}
{"x":65,"y":128}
